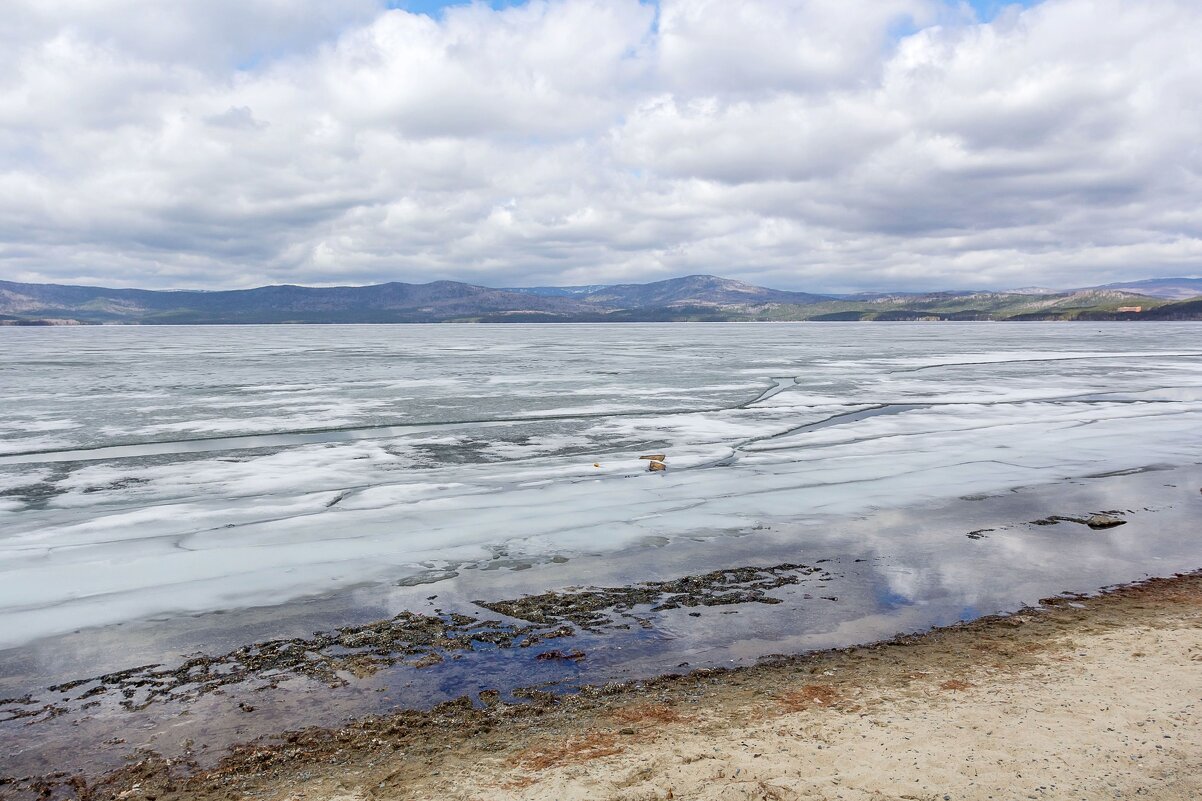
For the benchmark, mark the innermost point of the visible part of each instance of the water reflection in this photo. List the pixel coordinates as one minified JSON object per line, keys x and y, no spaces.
{"x":887,"y":572}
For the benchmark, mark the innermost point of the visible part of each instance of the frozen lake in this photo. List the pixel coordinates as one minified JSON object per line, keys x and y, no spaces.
{"x":152,"y":472}
{"x":198,"y":522}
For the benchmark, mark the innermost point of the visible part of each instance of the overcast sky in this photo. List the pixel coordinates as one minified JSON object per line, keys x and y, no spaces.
{"x":827,"y":145}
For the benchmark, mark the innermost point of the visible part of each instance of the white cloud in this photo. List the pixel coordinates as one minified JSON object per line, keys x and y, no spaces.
{"x":714,"y":46}
{"x":814,"y":144}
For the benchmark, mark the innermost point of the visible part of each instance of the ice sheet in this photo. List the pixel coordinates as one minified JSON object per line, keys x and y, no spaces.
{"x":353,"y":454}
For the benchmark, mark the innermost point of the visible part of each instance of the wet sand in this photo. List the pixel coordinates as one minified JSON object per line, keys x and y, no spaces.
{"x":1080,"y":698}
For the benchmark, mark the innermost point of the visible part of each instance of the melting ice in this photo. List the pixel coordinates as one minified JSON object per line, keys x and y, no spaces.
{"x":150,"y":471}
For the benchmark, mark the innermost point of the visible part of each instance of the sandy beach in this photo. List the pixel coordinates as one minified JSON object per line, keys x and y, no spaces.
{"x":1082,"y":698}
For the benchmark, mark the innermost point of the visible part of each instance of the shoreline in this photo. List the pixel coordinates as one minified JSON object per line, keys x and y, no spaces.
{"x":505,"y":656}
{"x":162,"y":608}
{"x":654,"y":738}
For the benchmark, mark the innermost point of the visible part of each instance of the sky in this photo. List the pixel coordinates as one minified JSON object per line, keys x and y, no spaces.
{"x":821,"y":145}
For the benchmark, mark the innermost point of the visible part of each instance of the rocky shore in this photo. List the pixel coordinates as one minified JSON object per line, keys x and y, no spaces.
{"x":1081,"y":697}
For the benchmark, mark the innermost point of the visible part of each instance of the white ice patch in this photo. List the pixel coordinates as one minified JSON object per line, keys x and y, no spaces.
{"x":29,"y":425}
{"x":20,"y":444}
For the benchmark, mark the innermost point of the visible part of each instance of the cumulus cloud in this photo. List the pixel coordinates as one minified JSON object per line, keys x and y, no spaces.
{"x":810,"y":144}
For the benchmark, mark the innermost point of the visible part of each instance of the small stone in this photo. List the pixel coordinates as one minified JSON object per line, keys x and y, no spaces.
{"x":429,"y":660}
{"x":1104,"y":521}
{"x":570,"y":656}
{"x":627,"y":730}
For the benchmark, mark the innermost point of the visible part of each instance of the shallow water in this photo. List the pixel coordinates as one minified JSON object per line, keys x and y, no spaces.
{"x":169,"y":491}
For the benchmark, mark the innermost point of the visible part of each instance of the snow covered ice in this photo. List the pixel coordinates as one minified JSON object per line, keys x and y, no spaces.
{"x":153,"y":471}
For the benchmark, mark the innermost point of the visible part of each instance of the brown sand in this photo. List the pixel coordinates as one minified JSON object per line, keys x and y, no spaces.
{"x":1101,"y":699}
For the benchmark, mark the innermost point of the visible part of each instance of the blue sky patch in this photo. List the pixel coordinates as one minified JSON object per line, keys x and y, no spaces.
{"x":986,"y":9}
{"x":434,"y":7}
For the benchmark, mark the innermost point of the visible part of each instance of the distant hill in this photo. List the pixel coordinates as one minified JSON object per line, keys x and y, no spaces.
{"x":1171,"y":288}
{"x":692,"y":290}
{"x":556,"y":291}
{"x":1184,"y":310}
{"x":695,"y":298}
{"x":697,"y":291}
{"x":381,"y":303}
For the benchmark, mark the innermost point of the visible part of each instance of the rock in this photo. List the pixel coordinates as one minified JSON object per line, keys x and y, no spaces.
{"x":1103,"y":521}
{"x":570,"y":656}
{"x":428,"y":577}
{"x":655,"y":457}
{"x":655,"y":466}
{"x":429,"y":660}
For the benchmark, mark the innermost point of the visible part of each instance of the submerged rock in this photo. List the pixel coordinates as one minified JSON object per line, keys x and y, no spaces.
{"x":417,"y":640}
{"x":592,"y":608}
{"x":1095,"y":521}
{"x":328,"y":657}
{"x":569,"y":656}
{"x":428,"y":577}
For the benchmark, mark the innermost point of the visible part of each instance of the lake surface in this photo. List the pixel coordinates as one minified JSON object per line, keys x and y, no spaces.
{"x":167,"y":491}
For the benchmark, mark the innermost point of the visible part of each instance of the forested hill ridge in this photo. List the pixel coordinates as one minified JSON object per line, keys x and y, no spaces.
{"x":692,"y":298}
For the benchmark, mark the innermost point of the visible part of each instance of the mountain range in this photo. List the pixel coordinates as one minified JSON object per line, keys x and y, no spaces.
{"x":692,"y":298}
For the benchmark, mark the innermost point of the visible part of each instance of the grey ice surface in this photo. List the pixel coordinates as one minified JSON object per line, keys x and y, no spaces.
{"x":151,"y":472}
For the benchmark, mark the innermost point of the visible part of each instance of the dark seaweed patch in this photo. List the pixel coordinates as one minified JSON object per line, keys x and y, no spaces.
{"x":592,"y":608}
{"x":413,"y":639}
